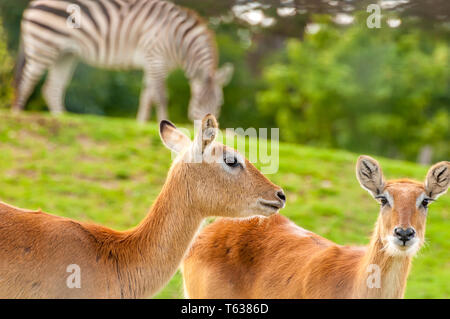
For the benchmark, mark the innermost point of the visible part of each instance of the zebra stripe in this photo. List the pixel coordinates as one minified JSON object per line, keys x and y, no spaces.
{"x":153,"y":35}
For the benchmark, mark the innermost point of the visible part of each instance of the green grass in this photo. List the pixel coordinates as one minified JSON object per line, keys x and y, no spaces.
{"x":109,"y":171}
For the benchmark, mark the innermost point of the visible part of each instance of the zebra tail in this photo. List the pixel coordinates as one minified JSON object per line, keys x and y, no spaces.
{"x":20,"y":64}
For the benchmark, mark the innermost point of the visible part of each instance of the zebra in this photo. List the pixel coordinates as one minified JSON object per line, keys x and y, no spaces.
{"x":153,"y":35}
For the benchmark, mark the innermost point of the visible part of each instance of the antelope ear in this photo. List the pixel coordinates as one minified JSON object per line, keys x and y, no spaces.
{"x":224,"y":74}
{"x":206,"y":134}
{"x":370,"y":175}
{"x":173,"y":138}
{"x":438,"y":179}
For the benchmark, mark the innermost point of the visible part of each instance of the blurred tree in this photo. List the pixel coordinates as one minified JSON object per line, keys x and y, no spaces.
{"x":10,"y":15}
{"x":367,"y":90}
{"x":6,"y":68}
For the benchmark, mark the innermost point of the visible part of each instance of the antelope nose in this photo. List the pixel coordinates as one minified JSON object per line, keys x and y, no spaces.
{"x":404,"y":234}
{"x":281,"y":196}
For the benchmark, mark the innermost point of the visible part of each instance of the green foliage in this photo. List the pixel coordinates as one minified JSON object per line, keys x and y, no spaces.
{"x":121,"y":167}
{"x":239,"y":94}
{"x":369,"y":90}
{"x":6,"y":68}
{"x":10,"y":15}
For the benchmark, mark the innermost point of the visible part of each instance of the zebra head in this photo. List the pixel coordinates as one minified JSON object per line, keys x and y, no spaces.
{"x":207,"y":93}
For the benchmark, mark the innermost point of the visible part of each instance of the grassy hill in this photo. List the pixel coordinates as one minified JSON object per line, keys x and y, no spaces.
{"x":109,"y":171}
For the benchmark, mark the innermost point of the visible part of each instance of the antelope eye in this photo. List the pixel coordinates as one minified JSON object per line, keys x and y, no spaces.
{"x":425,"y":202}
{"x":231,"y":161}
{"x":383,"y":200}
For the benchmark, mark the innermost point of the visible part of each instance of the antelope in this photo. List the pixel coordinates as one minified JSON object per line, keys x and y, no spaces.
{"x":274,"y":258}
{"x":38,"y":249}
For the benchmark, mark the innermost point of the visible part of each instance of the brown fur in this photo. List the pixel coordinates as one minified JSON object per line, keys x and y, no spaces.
{"x":274,"y":258}
{"x":36,"y":248}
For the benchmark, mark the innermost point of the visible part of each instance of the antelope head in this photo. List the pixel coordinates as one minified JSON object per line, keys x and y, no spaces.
{"x":404,"y":204}
{"x":219,"y":180}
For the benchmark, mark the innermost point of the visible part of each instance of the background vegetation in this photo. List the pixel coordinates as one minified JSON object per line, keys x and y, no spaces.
{"x":384,"y":90}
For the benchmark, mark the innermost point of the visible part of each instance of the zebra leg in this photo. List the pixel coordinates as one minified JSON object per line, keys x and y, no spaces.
{"x":161,"y":101}
{"x":30,"y":74}
{"x":55,"y":85}
{"x":154,"y":91}
{"x":145,"y":104}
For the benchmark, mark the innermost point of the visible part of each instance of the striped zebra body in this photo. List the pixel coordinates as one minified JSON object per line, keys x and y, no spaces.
{"x":152,"y":35}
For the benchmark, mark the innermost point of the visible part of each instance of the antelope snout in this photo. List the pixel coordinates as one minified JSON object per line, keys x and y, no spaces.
{"x":404,"y":234}
{"x":276,"y":204}
{"x":281,"y":196}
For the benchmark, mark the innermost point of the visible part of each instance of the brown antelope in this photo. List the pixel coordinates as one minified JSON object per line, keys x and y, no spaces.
{"x":37,"y":249}
{"x":274,"y":258}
